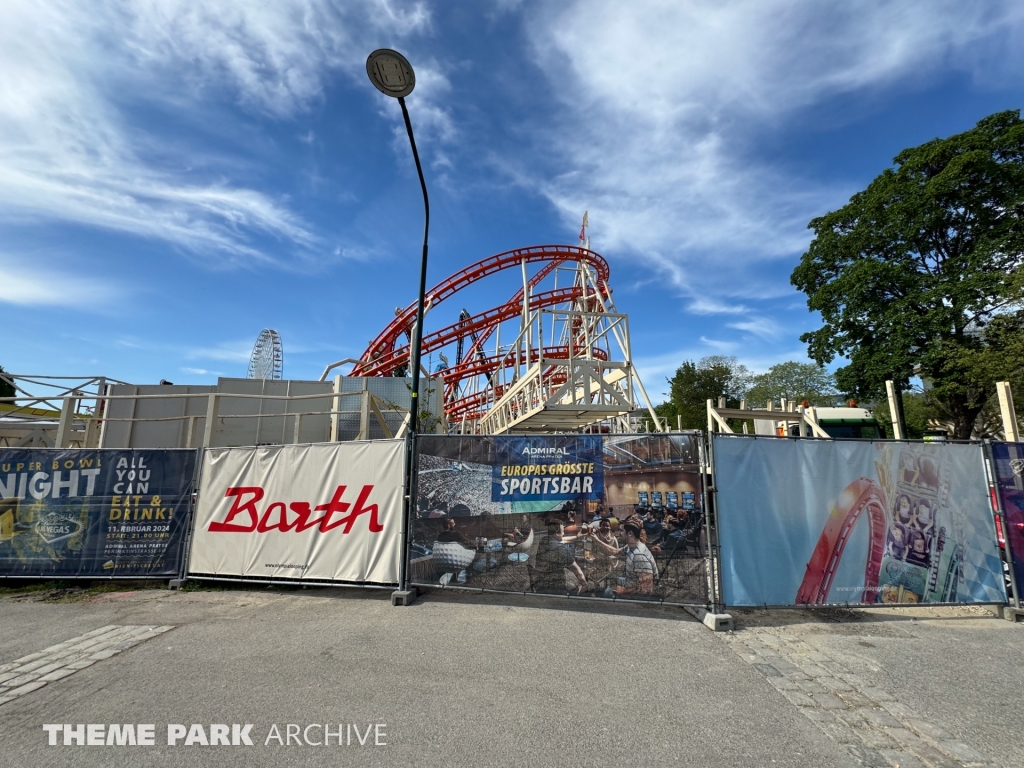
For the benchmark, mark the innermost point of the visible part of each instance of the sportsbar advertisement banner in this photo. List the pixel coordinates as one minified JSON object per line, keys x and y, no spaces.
{"x":94,"y":513}
{"x":1009,"y":472}
{"x":326,"y":512}
{"x":805,"y":521}
{"x":617,"y":516}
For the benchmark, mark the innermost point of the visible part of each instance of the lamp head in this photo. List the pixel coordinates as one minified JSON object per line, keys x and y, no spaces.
{"x":390,"y":72}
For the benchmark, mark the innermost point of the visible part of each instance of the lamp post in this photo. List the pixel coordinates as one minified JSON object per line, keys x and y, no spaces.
{"x":392,"y":74}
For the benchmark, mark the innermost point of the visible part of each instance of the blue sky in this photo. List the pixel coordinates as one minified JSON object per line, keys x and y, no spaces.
{"x":174,"y":176}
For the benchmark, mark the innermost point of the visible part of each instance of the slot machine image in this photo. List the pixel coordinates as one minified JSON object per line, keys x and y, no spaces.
{"x":656,"y":500}
{"x":672,"y":500}
{"x":689,"y":500}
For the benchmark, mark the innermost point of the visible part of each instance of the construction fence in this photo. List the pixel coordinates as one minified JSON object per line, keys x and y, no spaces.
{"x":754,"y":521}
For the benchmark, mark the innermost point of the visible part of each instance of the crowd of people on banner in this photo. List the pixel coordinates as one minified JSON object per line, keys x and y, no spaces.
{"x":447,"y":487}
{"x":598,"y":553}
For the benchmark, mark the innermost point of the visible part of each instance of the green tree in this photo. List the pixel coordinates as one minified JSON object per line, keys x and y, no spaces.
{"x":695,"y":383}
{"x":792,"y":381}
{"x":918,"y":410}
{"x":6,"y":387}
{"x":908,"y":275}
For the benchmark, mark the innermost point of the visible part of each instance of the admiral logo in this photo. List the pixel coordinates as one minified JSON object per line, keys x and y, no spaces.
{"x":528,"y":451}
{"x":275,"y":515}
{"x":53,"y":528}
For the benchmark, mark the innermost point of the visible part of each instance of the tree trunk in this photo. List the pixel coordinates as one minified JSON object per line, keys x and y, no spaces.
{"x":964,"y":418}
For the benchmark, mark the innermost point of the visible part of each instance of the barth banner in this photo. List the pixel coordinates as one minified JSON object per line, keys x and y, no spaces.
{"x":1009,"y":471}
{"x":804,"y":521}
{"x":323,"y":512}
{"x":94,"y":513}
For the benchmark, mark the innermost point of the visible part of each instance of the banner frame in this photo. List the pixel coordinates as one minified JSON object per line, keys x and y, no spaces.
{"x":273,"y":580}
{"x":196,"y":487}
{"x":710,"y":494}
{"x":708,"y":605}
{"x":848,"y":605}
{"x":1005,"y":554}
{"x":189,"y":522}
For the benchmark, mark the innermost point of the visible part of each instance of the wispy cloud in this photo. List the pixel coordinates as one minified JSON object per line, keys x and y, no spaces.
{"x":709,"y":306}
{"x":50,"y":285}
{"x":761,"y":327}
{"x":664,"y":100}
{"x":74,"y":75}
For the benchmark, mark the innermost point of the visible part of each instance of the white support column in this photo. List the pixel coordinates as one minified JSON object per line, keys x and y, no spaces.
{"x":298,"y":429}
{"x":336,"y":410}
{"x":894,"y":414}
{"x":1010,"y":431}
{"x":212,"y":405}
{"x":66,"y":423}
{"x":364,"y":413}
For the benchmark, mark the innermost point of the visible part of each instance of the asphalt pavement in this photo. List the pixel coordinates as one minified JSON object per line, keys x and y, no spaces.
{"x":463,"y":679}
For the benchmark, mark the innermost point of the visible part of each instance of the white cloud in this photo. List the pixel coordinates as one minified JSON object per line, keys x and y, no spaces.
{"x":762,"y":327}
{"x":50,"y":285}
{"x":231,"y":351}
{"x":703,"y":305}
{"x":74,"y":73}
{"x":664,"y":100}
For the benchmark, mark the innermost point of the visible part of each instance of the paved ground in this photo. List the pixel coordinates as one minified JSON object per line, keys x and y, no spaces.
{"x":462,"y":679}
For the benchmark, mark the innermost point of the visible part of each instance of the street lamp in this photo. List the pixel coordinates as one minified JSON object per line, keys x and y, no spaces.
{"x":391,"y":74}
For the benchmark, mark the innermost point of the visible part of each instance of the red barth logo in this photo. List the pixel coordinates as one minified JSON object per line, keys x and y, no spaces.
{"x":275,"y":515}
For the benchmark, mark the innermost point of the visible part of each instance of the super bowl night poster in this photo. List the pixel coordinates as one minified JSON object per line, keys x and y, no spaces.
{"x":94,"y":513}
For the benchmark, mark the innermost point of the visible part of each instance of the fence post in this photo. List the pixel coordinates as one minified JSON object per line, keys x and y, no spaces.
{"x":336,"y":410}
{"x":298,"y":428}
{"x":894,"y":413}
{"x":1010,"y":431}
{"x":211,"y":418}
{"x":66,"y":423}
{"x":364,"y":411}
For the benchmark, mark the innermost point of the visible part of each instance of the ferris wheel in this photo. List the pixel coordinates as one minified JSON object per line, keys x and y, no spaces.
{"x":267,"y":359}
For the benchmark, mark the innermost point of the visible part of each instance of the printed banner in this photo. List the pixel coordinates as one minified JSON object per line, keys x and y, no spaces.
{"x":548,"y":468}
{"x":1009,"y":471}
{"x":598,"y":515}
{"x":322,"y":512}
{"x":98,"y":513}
{"x":851,"y":522}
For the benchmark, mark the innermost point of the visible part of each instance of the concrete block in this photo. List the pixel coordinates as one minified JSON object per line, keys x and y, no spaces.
{"x":1013,"y":614}
{"x":718,"y":622}
{"x":176,"y":583}
{"x":404,"y":596}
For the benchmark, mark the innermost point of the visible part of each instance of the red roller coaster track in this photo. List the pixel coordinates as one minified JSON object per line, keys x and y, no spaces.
{"x":858,"y":496}
{"x":385,"y":355}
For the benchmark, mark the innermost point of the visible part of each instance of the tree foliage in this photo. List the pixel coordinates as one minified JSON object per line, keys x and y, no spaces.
{"x":912,"y":272}
{"x":792,"y":381}
{"x":695,"y":383}
{"x":6,"y":387}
